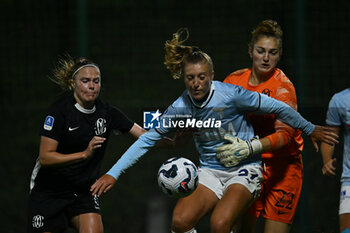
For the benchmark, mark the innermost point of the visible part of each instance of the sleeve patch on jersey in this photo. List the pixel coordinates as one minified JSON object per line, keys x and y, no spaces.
{"x":48,"y":123}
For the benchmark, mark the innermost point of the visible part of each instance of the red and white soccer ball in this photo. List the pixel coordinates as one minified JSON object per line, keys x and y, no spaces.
{"x":178,"y":177}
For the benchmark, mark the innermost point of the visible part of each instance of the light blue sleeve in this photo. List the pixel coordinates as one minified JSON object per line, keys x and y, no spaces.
{"x":333,"y":114}
{"x":170,"y":113}
{"x":144,"y":143}
{"x":245,"y":100}
{"x":250,"y":101}
{"x":285,"y":113}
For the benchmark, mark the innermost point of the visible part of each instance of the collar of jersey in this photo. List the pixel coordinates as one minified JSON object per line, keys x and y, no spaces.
{"x":204,"y":103}
{"x":84,"y":110}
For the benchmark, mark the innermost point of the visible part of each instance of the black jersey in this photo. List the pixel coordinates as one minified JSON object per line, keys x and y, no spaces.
{"x":73,"y":127}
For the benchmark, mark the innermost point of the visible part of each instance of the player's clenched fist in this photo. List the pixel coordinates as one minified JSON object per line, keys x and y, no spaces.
{"x":237,"y":150}
{"x":95,"y":142}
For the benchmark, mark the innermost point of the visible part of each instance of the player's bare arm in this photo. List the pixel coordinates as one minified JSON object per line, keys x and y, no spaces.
{"x":50,"y":157}
{"x":136,"y":131}
{"x":327,"y":151}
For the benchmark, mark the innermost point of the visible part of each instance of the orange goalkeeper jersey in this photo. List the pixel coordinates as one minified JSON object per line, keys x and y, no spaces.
{"x":281,"y":88}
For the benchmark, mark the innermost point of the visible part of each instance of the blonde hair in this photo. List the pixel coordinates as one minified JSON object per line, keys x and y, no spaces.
{"x":269,"y":28}
{"x":178,"y":55}
{"x":66,"y":68}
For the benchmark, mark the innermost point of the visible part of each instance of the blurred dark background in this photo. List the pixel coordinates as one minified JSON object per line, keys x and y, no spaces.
{"x":126,"y":38}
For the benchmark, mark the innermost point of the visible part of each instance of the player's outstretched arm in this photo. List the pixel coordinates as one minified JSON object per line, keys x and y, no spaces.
{"x":102,"y":185}
{"x":325,"y":134}
{"x":289,"y":116}
{"x":138,"y":149}
{"x":136,"y":131}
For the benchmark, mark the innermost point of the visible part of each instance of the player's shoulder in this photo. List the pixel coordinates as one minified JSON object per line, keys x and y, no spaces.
{"x":345,"y":92}
{"x":342,"y":96}
{"x":221,"y":86}
{"x":182,"y":100}
{"x":180,"y":106}
{"x":281,"y":80}
{"x":281,"y":77}
{"x":227,"y":90}
{"x":238,"y":75}
{"x":240,"y":72}
{"x":110,"y":111}
{"x":103,"y":105}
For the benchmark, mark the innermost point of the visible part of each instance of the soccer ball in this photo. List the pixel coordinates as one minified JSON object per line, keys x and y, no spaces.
{"x":178,"y":177}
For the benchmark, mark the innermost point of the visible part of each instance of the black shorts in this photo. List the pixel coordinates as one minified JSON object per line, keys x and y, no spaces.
{"x":53,"y":211}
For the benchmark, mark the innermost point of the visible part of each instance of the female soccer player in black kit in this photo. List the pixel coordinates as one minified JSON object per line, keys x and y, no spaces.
{"x":73,"y":141}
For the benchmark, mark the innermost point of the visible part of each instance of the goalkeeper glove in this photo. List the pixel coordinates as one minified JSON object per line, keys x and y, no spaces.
{"x":237,"y":150}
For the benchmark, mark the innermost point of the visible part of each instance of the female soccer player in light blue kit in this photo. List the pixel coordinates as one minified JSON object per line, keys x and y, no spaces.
{"x":338,"y":116}
{"x":214,"y":110}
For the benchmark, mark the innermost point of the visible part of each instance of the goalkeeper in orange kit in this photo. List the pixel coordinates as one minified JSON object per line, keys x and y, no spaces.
{"x":282,"y":164}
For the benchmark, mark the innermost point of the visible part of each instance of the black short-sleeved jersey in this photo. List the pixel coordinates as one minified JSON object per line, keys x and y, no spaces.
{"x":73,"y":127}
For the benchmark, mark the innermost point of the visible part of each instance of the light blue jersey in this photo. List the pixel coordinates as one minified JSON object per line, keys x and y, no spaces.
{"x":338,"y":114}
{"x":224,"y":111}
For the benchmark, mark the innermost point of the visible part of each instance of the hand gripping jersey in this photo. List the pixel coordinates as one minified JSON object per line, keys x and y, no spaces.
{"x":281,"y":88}
{"x":227,"y":104}
{"x":73,"y":127}
{"x":339,"y":115}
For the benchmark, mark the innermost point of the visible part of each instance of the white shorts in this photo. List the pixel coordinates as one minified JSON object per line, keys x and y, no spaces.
{"x":344,"y":206}
{"x":249,"y":175}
